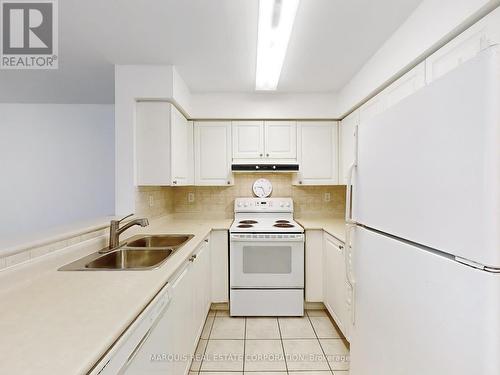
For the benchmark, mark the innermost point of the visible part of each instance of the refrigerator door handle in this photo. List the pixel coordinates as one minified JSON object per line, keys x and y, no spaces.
{"x":350,"y":171}
{"x":476,"y":265}
{"x":348,"y":266}
{"x":350,"y":224}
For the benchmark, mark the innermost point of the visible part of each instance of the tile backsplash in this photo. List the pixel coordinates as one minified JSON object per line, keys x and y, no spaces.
{"x":219,"y":201}
{"x":154,"y":201}
{"x":213,"y":202}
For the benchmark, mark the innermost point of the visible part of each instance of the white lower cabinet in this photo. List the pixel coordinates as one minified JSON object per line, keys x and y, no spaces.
{"x":314,"y":266}
{"x":335,"y":287}
{"x":164,"y":337}
{"x":219,"y":257}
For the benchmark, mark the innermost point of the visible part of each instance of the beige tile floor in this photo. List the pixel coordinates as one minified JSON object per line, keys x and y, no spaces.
{"x":310,"y":345}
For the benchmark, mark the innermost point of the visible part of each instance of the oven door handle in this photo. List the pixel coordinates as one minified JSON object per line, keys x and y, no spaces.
{"x":267,"y":238}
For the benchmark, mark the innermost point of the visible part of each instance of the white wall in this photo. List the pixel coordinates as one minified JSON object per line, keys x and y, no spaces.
{"x":56,"y":165}
{"x":264,"y":106}
{"x":430,"y":24}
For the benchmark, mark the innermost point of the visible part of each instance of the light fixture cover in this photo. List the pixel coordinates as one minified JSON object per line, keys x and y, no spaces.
{"x":276,"y":18}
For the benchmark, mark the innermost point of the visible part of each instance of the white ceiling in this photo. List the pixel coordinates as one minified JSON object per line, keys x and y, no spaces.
{"x":211,"y":42}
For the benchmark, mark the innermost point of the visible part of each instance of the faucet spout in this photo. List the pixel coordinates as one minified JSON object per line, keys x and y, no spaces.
{"x":115,"y":230}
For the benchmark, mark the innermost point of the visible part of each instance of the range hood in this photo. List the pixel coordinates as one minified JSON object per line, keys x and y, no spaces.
{"x":265,"y":167}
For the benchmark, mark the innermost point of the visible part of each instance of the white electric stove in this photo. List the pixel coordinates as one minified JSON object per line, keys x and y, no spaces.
{"x":266,"y":259}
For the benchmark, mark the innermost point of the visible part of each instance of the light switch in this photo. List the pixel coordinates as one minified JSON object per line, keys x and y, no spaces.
{"x":327,"y":197}
{"x":190,"y":197}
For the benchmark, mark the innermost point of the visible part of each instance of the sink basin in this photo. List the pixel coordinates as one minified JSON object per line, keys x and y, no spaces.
{"x":130,"y":259}
{"x":141,"y":252}
{"x":166,"y":240}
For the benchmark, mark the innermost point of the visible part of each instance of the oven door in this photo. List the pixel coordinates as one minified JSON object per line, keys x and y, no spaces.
{"x":267,"y":260}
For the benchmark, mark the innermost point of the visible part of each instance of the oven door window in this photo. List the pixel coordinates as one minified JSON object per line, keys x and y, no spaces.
{"x":267,"y":259}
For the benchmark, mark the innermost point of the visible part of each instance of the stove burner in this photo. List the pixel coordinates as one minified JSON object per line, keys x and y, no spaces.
{"x":245,"y":226}
{"x":283,"y":225}
{"x":282,"y":222}
{"x":248,"y":222}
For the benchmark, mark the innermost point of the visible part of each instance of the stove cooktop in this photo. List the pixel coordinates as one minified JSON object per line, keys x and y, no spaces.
{"x":264,"y":215}
{"x":265,"y":225}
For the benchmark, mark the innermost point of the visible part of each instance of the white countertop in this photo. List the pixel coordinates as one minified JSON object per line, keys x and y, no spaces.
{"x":54,"y":322}
{"x":331,"y":225}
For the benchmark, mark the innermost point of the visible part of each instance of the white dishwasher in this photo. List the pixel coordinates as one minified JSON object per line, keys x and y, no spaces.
{"x":144,"y":348}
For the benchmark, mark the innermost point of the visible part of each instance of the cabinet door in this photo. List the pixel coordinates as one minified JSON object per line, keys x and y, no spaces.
{"x":459,"y":50}
{"x":152,"y":143}
{"x":372,"y":108}
{"x":181,"y":310}
{"x":181,"y":149}
{"x":212,"y":149}
{"x":347,"y":132}
{"x":248,"y":139}
{"x":408,"y":84}
{"x":201,"y":288}
{"x":314,"y":266}
{"x":335,"y":281}
{"x":280,"y":139}
{"x":318,"y":153}
{"x":219,"y":258}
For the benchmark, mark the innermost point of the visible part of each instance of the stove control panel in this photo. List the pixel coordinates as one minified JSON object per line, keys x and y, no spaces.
{"x":263,"y":205}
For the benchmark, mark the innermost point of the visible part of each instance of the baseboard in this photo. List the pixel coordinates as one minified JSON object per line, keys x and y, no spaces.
{"x":314,"y":306}
{"x":224,"y":306}
{"x":221,"y":306}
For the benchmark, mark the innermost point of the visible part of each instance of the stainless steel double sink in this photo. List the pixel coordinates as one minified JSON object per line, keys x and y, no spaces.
{"x":140,"y":252}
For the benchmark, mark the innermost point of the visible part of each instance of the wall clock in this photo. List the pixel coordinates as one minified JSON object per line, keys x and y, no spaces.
{"x":262,"y":188}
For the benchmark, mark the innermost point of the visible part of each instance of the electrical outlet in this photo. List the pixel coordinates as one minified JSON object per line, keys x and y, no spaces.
{"x":190,"y":197}
{"x":151,"y":201}
{"x":327,"y":197}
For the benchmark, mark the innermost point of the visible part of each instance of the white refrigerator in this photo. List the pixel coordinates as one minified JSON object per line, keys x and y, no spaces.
{"x":425,"y":256}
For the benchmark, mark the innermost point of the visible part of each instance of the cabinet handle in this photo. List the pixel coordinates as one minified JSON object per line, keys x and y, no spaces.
{"x":229,"y":182}
{"x":300,"y":182}
{"x":193,"y":257}
{"x":206,"y":239}
{"x":261,"y":155}
{"x":341,"y":247}
{"x":267,"y":155}
{"x":174,"y":182}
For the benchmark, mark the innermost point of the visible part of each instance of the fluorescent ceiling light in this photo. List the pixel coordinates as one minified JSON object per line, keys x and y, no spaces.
{"x":276,"y":19}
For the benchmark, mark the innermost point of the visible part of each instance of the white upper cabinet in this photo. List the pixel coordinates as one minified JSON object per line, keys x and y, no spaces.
{"x":248,"y":139}
{"x":164,"y":145}
{"x":372,"y":108}
{"x":212,"y":153}
{"x":406,"y":85}
{"x":280,"y":138}
{"x":264,"y":141}
{"x":317,"y":153}
{"x":182,"y":149}
{"x":459,"y":50}
{"x":347,"y":135}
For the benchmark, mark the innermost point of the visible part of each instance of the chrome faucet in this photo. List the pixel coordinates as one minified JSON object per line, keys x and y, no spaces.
{"x":115,"y":230}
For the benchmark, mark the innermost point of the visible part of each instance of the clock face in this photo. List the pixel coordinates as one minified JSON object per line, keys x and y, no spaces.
{"x":262,"y":188}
